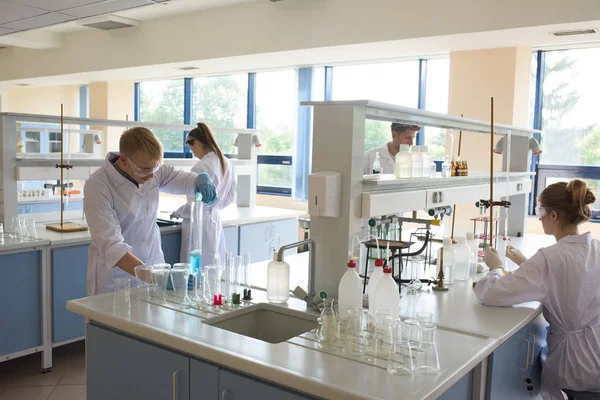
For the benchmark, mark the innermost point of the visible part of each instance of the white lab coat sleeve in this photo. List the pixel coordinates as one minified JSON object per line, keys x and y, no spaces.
{"x":183,"y":211}
{"x":103,"y":223}
{"x":230,"y":195}
{"x":527,"y":283}
{"x":174,"y":181}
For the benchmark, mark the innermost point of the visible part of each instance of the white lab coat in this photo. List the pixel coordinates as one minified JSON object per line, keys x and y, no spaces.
{"x":213,"y":238}
{"x":122,"y":218}
{"x":387,"y":161}
{"x":565,"y":278}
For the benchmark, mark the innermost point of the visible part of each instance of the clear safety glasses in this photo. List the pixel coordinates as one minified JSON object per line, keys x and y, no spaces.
{"x":143,"y":172}
{"x":540,"y":212}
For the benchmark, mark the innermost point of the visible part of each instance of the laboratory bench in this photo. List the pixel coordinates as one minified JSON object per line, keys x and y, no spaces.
{"x":53,"y":270}
{"x":484,"y":352}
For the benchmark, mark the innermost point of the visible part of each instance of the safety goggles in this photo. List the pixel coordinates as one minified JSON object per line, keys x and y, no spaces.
{"x":540,"y":212}
{"x":143,"y":172}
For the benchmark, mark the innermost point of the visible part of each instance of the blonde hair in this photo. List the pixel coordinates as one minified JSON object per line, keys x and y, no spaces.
{"x":140,"y":139}
{"x":570,"y":200}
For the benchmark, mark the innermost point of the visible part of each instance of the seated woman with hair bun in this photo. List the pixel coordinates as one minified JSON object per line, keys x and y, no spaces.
{"x":565,"y":278}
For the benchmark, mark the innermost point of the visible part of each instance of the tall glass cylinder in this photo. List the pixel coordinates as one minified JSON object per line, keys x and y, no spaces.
{"x":196,"y":235}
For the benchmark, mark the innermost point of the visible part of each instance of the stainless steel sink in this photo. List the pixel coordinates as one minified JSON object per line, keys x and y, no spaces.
{"x":265,"y":322}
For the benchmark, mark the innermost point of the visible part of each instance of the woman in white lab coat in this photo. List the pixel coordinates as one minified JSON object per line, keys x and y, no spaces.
{"x":565,"y":278}
{"x":202,"y":143}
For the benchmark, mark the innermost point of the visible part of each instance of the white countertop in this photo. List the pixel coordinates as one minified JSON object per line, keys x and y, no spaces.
{"x":9,"y":244}
{"x":231,"y":216}
{"x":467,"y":333}
{"x":297,"y":363}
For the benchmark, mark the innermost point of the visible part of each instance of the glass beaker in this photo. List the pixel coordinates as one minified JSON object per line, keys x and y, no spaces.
{"x":355,"y":339}
{"x":179,"y":280}
{"x":198,"y":284}
{"x":417,"y":265}
{"x":143,"y":275}
{"x":427,"y":360}
{"x":15,"y":230}
{"x":196,"y":233}
{"x":400,"y":361}
{"x":121,"y":293}
{"x":383,"y":339}
{"x":424,"y":317}
{"x":411,"y":328}
{"x":327,"y":331}
{"x":160,"y":281}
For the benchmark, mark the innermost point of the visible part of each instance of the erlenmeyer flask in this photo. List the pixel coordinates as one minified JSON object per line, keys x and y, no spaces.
{"x":427,"y":361}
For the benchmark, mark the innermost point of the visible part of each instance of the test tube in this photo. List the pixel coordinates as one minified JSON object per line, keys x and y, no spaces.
{"x":227,"y":279}
{"x":236,"y":266}
{"x":246,"y":278}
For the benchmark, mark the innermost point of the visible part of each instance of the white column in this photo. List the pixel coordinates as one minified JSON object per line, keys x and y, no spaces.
{"x":8,"y":159}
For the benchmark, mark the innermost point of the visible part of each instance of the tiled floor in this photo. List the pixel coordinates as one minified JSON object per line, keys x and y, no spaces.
{"x":22,"y":379}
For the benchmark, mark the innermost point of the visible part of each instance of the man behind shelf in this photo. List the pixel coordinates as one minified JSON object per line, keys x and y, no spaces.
{"x":401,"y":134}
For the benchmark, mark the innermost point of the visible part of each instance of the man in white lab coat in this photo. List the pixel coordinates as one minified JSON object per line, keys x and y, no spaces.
{"x":401,"y":134}
{"x":121,"y":203}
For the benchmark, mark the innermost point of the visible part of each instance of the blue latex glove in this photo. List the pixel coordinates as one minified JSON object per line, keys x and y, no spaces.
{"x":206,"y":187}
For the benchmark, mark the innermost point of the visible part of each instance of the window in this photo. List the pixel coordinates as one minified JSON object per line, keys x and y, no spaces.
{"x":394,"y":83}
{"x":276,"y":108}
{"x":221,"y":101}
{"x":436,"y":100}
{"x":570,"y":120}
{"x":163,"y":102}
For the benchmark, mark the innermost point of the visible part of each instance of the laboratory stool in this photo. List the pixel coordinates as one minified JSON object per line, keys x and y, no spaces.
{"x":573,"y":395}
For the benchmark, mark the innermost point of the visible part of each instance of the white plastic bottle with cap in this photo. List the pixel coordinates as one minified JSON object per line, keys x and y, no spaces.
{"x":448,"y":261}
{"x":349,"y":291}
{"x":278,"y":280}
{"x":474,"y":247}
{"x":387,"y":296}
{"x":462,"y":260}
{"x":416,"y":161}
{"x":403,"y":167}
{"x":376,"y":164}
{"x":376,"y":275}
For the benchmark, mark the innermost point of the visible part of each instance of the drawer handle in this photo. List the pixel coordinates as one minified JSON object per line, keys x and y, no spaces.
{"x":174,"y":384}
{"x":435,"y":197}
{"x":532,"y":349}
{"x":527,"y":356}
{"x":440,"y":197}
{"x":224,"y":394}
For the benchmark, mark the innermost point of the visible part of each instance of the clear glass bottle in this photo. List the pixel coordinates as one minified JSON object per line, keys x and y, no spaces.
{"x":327,"y":331}
{"x":377,"y":164}
{"x":446,"y":166}
{"x":448,"y":259}
{"x":427,"y":161}
{"x":278,"y":280}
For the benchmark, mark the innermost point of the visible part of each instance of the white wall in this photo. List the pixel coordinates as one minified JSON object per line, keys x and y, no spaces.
{"x":263,"y":27}
{"x":43,"y":100}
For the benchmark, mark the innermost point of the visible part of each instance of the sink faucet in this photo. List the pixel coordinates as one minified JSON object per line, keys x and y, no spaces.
{"x":312,"y":248}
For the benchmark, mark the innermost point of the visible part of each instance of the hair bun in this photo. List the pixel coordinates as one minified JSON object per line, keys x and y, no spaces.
{"x":580,"y":193}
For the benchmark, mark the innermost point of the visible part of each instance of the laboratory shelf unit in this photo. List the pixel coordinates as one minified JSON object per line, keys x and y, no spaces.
{"x":340,"y":125}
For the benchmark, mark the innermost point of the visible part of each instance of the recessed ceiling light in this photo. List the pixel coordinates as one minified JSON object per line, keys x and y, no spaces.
{"x":575,"y":32}
{"x":190,"y":68}
{"x":22,"y":84}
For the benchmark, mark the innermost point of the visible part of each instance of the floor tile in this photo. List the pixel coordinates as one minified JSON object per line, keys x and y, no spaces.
{"x":69,"y":392}
{"x":73,"y":376}
{"x":26,"y":393}
{"x":78,"y":360}
{"x":31,"y":378}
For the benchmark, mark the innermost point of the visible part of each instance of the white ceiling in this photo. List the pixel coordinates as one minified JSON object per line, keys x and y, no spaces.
{"x":61,"y":15}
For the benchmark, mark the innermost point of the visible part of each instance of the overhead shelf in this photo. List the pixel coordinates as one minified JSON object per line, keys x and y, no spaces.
{"x":395,"y":113}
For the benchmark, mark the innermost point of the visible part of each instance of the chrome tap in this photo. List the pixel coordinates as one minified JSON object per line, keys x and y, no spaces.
{"x":312,"y":248}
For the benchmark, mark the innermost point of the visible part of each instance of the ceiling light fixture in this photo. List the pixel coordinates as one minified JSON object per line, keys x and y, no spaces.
{"x":575,"y":32}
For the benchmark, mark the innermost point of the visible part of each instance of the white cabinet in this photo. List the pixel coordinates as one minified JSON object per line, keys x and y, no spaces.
{"x":375,"y":204}
{"x":254,"y":238}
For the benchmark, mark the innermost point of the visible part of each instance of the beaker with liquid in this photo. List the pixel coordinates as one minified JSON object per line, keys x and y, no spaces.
{"x":196,"y":235}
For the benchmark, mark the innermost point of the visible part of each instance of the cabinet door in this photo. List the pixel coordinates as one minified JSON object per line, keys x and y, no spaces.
{"x":287,"y":230}
{"x":171,"y":246}
{"x":204,"y":381}
{"x":238,"y":387}
{"x":69,"y":275}
{"x":515,"y":369}
{"x":20,"y":313}
{"x":123,"y":368}
{"x":253,"y":240}
{"x":231,"y":239}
